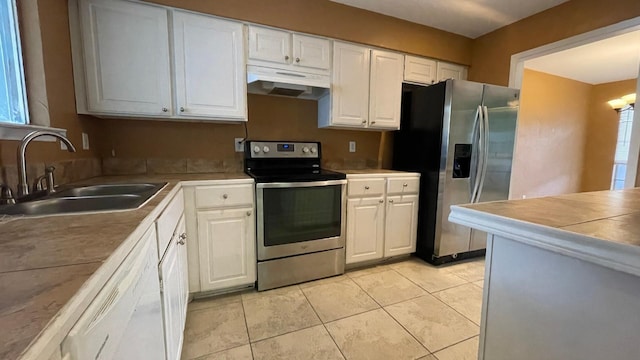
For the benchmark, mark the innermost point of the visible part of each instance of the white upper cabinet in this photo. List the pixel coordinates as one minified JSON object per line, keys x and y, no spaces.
{"x":366,"y":89}
{"x":348,"y":102}
{"x":126,"y":53}
{"x":287,"y":50}
{"x":311,"y":52}
{"x":269,"y":45}
{"x":385,"y":90}
{"x":209,"y":67}
{"x":451,"y":71}
{"x":419,"y":70}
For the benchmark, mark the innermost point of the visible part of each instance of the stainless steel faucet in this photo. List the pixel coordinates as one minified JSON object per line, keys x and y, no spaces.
{"x":23,"y":185}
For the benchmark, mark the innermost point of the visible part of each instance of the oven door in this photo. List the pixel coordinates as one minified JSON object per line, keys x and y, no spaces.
{"x":300,"y":217}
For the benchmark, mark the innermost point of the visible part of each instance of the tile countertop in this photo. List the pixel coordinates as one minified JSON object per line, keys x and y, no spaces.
{"x":385,"y":172}
{"x":602,"y":227}
{"x":47,"y":262}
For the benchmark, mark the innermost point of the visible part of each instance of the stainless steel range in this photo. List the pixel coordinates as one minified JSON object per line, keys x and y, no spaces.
{"x":300,"y":213}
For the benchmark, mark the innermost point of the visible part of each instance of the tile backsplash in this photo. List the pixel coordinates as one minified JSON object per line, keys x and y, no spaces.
{"x":67,"y":171}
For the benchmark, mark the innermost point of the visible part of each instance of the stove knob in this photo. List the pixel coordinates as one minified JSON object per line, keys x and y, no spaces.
{"x":305,"y":149}
{"x":266,"y":149}
{"x":313,"y":150}
{"x":256,"y":149}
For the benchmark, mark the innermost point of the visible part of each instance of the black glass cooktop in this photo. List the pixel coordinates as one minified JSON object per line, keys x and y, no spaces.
{"x":294,"y":175}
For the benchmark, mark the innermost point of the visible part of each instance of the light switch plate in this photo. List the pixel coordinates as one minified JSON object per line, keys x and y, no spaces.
{"x":352,"y":146}
{"x":239,"y":144}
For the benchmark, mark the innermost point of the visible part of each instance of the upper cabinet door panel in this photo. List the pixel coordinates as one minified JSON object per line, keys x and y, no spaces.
{"x":209,"y":67}
{"x":350,"y":85}
{"x":311,"y":52}
{"x":386,"y":89}
{"x":269,"y":45}
{"x":419,"y":70}
{"x":451,"y":71}
{"x":126,"y":52}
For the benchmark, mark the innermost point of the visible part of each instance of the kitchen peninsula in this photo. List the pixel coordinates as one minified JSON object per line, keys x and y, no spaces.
{"x":562,"y":276}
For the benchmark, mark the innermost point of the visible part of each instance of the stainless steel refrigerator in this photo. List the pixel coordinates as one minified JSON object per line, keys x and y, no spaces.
{"x":460,"y":136}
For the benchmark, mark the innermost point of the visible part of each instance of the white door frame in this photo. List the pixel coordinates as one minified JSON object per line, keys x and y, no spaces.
{"x":516,"y":74}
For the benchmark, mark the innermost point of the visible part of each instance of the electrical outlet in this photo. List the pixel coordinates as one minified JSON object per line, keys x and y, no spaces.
{"x":63,"y":146}
{"x":85,"y":141}
{"x":239,"y":144}
{"x":352,"y":146}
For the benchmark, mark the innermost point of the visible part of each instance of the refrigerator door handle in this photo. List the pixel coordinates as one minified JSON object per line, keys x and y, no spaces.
{"x":480,"y":146}
{"x":484,"y":134}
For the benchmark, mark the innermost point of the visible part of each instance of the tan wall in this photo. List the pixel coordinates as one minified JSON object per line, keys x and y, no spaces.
{"x":602,"y":134}
{"x":552,"y":128}
{"x":272,"y":118}
{"x":491,"y":55}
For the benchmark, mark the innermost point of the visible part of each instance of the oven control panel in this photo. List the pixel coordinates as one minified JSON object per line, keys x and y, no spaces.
{"x":278,"y":149}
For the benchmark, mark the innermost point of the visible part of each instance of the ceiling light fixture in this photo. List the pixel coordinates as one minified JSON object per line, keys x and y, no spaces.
{"x":618,"y":104}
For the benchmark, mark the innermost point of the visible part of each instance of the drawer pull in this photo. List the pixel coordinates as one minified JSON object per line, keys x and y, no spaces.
{"x":405,"y":185}
{"x":225,"y":196}
{"x":366,"y":187}
{"x":182,"y":238}
{"x":248,"y":213}
{"x":380,"y":201}
{"x":391,"y":201}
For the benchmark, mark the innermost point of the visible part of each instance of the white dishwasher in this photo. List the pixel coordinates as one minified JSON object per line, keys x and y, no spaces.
{"x":125,"y":320}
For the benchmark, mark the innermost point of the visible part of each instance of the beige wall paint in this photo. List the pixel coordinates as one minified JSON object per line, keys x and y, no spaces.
{"x":602,"y":134}
{"x":491,"y":54}
{"x":552,"y":128}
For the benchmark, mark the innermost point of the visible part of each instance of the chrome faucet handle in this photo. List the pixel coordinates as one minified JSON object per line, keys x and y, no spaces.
{"x":6,"y":195}
{"x":49,"y":179}
{"x":37,"y":183}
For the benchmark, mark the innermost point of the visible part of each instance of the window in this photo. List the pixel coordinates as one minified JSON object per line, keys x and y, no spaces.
{"x":12,"y":89}
{"x":622,"y":148}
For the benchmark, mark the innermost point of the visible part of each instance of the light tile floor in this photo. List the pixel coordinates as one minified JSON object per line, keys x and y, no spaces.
{"x":402,"y":310}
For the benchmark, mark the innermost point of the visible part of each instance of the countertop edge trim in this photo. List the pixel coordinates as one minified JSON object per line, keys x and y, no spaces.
{"x":610,"y":254}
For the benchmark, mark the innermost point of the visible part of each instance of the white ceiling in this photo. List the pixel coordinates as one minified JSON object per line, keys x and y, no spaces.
{"x":470,"y":18}
{"x":612,"y":59}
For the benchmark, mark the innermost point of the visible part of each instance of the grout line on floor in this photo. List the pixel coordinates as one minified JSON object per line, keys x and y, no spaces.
{"x":246,"y":326}
{"x":461,"y":341}
{"x":323,"y":325}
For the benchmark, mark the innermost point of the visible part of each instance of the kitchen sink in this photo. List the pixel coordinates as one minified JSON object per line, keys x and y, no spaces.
{"x":86,"y":198}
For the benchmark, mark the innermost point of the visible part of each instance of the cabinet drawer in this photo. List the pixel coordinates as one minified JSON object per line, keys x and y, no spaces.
{"x":224,"y":195}
{"x":403,"y":185}
{"x":366,"y":187}
{"x":168,"y":220}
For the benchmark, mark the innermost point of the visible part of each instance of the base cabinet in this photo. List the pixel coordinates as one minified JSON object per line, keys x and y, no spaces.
{"x":382,"y":216}
{"x":226,"y":248}
{"x":365,"y":229}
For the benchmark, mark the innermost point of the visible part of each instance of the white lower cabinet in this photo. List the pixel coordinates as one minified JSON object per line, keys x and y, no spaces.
{"x":227,"y":248}
{"x":382,"y":221}
{"x":220,"y":221}
{"x":365,"y":229}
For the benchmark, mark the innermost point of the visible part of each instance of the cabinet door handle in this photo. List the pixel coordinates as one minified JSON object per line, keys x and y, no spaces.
{"x":164,"y":109}
{"x":225,"y":196}
{"x":286,"y":57}
{"x":405,"y":185}
{"x":373,"y":122}
{"x":181,"y":109}
{"x":380,"y":201}
{"x":391,"y":201}
{"x":366,"y":187}
{"x":182,"y":238}
{"x":297,"y":60}
{"x":248,"y":213}
{"x":364,"y":121}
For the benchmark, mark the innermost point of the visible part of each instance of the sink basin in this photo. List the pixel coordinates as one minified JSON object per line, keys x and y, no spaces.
{"x":87,"y":198}
{"x":110,"y":189}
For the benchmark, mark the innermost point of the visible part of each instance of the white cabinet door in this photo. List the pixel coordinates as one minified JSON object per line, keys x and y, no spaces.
{"x":173,"y":302}
{"x":226,"y":240}
{"x":181,"y":233}
{"x":126,"y":57}
{"x":269,"y":45}
{"x":209,"y":67}
{"x":350,"y":85}
{"x":451,"y":71}
{"x":419,"y":70}
{"x":311,"y":52}
{"x":365,"y":229}
{"x":401,"y":225}
{"x":385,"y":90}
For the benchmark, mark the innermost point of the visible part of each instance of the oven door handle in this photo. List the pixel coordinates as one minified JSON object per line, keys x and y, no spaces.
{"x":300,"y":184}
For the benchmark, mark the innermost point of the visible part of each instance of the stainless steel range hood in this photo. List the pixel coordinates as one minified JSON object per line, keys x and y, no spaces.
{"x":271,"y":81}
